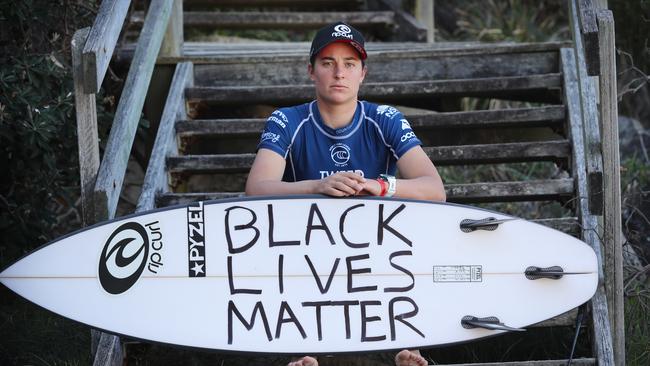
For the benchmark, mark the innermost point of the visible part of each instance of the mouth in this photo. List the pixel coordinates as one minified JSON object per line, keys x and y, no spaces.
{"x":339,"y":87}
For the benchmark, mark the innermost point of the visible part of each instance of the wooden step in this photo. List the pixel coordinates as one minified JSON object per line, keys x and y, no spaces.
{"x":280,"y":20}
{"x":514,"y":86}
{"x":575,"y":362}
{"x":534,"y":190}
{"x":549,"y":116}
{"x":281,"y":3}
{"x":440,"y":155}
{"x":539,"y":190}
{"x":512,"y":152}
{"x":386,"y":66}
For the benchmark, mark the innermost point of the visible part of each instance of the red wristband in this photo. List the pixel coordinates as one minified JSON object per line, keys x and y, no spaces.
{"x":384,"y":187}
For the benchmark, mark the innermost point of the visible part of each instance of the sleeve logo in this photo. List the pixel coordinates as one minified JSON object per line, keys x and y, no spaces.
{"x":387,"y":111}
{"x":269,"y":136}
{"x":279,"y":118}
{"x":405,"y":125}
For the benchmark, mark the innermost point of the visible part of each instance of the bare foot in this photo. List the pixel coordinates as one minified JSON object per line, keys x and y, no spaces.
{"x":305,"y":361}
{"x":410,"y":358}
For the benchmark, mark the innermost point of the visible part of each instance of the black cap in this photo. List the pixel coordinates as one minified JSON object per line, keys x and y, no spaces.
{"x":337,"y":32}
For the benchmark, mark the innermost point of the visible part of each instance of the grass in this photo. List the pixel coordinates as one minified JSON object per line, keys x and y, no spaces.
{"x":30,"y":335}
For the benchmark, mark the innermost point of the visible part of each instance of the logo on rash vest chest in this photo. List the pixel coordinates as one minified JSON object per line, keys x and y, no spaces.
{"x":342,"y":30}
{"x":340,"y":154}
{"x":123,"y":258}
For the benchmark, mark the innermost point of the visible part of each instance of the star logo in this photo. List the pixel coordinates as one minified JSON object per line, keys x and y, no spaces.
{"x":198,"y":268}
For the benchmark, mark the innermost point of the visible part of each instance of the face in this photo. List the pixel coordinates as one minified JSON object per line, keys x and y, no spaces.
{"x":337,"y":74}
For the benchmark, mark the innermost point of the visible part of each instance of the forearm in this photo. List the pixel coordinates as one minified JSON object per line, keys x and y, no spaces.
{"x":274,"y":187}
{"x":427,"y":188}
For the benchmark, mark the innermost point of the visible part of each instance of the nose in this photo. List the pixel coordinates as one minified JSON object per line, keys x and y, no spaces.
{"x":338,"y":71}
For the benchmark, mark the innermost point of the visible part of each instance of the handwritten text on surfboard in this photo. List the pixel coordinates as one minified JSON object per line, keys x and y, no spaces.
{"x":253,"y":228}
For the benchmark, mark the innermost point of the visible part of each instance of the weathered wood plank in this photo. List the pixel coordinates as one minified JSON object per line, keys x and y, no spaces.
{"x":408,"y":28}
{"x":589,"y":32}
{"x":102,"y":38}
{"x":500,"y":153}
{"x":548,"y":116}
{"x":280,"y":3}
{"x":440,"y":155}
{"x":280,"y":20}
{"x":591,"y":129}
{"x":568,"y":225}
{"x":602,"y":337}
{"x":172,"y":45}
{"x":382,"y":68}
{"x":535,"y":190}
{"x":576,"y":362}
{"x":155,"y":180}
{"x":211,"y":52}
{"x":118,"y":148}
{"x":519,"y":117}
{"x":612,"y":237}
{"x":562,"y":320}
{"x":88,"y":140}
{"x":424,"y":15}
{"x":109,"y":351}
{"x":385,"y":91}
{"x":459,"y":193}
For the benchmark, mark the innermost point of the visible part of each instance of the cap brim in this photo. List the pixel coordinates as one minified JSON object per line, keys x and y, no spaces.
{"x":354,"y":44}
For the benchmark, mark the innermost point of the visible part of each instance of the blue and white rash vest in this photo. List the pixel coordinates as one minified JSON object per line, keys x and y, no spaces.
{"x":370,"y":145}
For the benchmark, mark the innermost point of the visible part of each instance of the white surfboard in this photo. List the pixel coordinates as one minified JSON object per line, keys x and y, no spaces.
{"x":309,"y":275}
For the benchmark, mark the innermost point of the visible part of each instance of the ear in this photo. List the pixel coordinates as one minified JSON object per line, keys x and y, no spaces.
{"x":364,"y":71}
{"x":310,"y":70}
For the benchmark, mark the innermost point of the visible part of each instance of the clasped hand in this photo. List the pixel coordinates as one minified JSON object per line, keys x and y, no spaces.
{"x":344,"y":184}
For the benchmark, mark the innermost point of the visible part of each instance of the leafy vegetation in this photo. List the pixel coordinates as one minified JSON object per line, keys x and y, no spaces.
{"x":39,"y":187}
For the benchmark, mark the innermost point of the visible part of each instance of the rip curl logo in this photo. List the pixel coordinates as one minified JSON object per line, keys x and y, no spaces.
{"x":340,"y":154}
{"x":123,"y":258}
{"x":342,"y":30}
{"x":273,"y":137}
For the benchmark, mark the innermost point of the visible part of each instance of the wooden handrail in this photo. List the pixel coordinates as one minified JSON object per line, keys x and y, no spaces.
{"x":589,"y":32}
{"x":101,"y":41}
{"x":118,"y":148}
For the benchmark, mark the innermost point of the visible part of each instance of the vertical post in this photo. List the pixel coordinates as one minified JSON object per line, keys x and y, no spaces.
{"x":424,"y":14}
{"x":88,"y":141}
{"x":612,"y":238}
{"x":172,"y":45}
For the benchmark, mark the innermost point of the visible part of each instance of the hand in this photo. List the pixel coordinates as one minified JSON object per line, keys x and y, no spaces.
{"x":341,"y":184}
{"x":372,"y":187}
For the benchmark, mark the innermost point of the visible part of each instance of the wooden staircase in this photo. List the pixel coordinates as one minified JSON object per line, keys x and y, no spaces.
{"x":211,"y":124}
{"x":221,"y":94}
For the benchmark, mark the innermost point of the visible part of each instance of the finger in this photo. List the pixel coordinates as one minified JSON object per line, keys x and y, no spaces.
{"x":356,"y":185}
{"x":341,"y":186}
{"x":331,"y":191}
{"x":354,"y":176}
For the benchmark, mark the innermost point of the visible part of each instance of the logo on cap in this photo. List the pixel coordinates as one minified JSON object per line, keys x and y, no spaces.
{"x":342,"y":30}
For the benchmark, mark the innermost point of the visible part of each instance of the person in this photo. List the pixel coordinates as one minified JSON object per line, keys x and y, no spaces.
{"x":340,"y":146}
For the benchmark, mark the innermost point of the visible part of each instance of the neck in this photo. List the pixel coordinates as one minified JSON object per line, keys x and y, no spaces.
{"x":336,"y":115}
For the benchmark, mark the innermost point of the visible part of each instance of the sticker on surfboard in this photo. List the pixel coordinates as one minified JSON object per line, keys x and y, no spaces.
{"x":309,"y":275}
